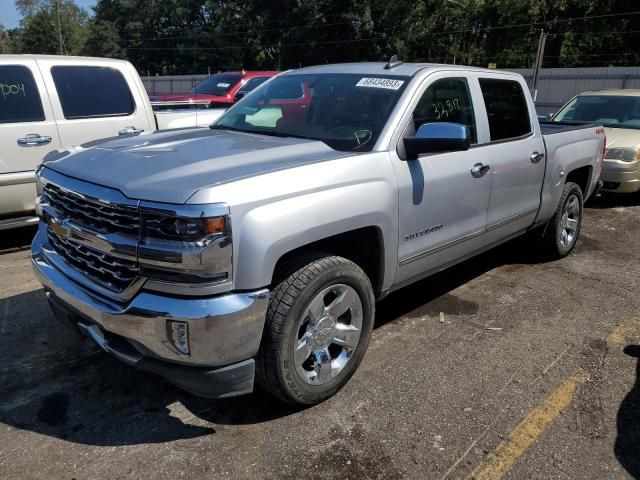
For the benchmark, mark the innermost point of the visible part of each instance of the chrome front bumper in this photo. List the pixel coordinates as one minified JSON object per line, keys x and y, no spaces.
{"x":223,"y":329}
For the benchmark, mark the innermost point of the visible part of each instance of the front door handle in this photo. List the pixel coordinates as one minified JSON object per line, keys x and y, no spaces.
{"x":130,"y":130}
{"x":33,"y":140}
{"x":479,"y":170}
{"x":536,"y":157}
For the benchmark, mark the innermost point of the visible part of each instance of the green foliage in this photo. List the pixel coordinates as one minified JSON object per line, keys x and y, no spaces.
{"x":186,"y":36}
{"x":44,"y":21}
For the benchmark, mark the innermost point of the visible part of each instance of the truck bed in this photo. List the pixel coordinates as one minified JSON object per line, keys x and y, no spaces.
{"x":551,"y":128}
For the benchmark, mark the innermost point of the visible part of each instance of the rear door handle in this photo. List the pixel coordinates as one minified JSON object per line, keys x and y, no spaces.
{"x":130,"y":130}
{"x":479,"y":170}
{"x":536,"y":157}
{"x":33,"y":140}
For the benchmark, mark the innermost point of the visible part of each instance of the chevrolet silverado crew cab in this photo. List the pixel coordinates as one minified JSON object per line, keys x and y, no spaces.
{"x":257,"y":248}
{"x":50,"y":103}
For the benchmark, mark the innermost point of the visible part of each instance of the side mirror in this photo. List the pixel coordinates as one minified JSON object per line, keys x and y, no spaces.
{"x":438,"y":137}
{"x":238,"y":96}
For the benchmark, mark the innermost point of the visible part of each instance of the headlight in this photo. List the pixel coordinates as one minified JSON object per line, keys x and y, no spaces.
{"x":625,"y":154}
{"x":186,"y":249}
{"x":183,"y":229}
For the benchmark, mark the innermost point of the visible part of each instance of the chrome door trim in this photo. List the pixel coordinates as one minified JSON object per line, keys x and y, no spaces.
{"x":502,"y":223}
{"x":468,"y":237}
{"x":452,"y":243}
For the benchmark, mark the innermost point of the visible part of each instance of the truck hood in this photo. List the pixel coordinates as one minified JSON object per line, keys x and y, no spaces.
{"x":171,"y":166}
{"x":622,"y":137}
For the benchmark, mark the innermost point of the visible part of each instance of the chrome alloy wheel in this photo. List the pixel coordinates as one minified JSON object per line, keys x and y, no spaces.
{"x":570,"y":221}
{"x":328,"y":334}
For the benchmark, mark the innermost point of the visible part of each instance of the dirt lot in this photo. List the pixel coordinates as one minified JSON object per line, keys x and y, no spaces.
{"x":504,"y":366}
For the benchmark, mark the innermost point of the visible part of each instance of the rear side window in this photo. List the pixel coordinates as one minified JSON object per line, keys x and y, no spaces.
{"x":506,"y":107}
{"x":88,"y":92}
{"x":19,"y":96}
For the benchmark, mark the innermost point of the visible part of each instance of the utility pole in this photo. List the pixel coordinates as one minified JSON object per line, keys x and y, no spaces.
{"x":59,"y":26}
{"x":539,"y":59}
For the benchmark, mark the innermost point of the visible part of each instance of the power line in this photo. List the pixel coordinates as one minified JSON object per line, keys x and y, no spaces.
{"x":431,"y":34}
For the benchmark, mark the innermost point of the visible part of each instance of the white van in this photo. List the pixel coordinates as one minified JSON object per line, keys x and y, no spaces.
{"x":50,"y":102}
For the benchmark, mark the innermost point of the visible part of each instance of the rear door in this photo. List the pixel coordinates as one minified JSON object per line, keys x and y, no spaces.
{"x":442,"y":203}
{"x":516,"y":151}
{"x":27,"y":133}
{"x":93,"y":99}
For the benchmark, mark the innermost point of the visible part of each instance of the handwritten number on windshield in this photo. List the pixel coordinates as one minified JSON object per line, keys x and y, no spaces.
{"x":442,"y":108}
{"x":7,"y":89}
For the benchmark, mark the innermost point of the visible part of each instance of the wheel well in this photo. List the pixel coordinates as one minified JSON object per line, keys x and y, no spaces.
{"x":580,"y":176}
{"x":364,"y":247}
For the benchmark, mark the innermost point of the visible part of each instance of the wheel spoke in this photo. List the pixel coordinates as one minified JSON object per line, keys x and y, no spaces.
{"x":322,"y":365}
{"x":573,"y":207}
{"x":564,"y":239}
{"x":347,"y":335}
{"x":316,"y":309}
{"x":345,"y":300}
{"x":303,"y":350}
{"x":572,"y":224}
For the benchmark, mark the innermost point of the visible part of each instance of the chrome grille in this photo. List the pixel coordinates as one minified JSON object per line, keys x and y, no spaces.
{"x":115,"y":274}
{"x":104,"y":217}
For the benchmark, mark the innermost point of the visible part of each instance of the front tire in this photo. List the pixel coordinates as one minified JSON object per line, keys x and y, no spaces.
{"x":561,"y":234}
{"x":317,"y":329}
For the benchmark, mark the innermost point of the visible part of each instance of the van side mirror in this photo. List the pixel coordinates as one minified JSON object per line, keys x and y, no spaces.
{"x":239,"y":95}
{"x":438,"y":137}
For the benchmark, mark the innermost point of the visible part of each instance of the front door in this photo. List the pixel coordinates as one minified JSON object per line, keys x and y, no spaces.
{"x":443,"y":198}
{"x":27,"y":133}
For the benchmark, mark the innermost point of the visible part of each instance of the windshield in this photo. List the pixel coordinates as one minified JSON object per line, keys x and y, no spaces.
{"x":218,"y":84}
{"x":345,"y":111}
{"x":608,"y":110}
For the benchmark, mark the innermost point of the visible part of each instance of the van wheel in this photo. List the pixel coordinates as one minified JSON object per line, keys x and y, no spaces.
{"x":317,"y":329}
{"x":561,"y":232}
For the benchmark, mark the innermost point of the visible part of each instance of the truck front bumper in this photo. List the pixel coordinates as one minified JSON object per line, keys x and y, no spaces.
{"x":223,"y":332}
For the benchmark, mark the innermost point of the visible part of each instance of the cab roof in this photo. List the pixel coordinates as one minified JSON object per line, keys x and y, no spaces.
{"x":378,"y":68}
{"x":627,"y":92}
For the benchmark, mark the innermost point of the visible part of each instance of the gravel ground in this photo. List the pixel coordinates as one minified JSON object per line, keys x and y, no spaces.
{"x":503,"y":366}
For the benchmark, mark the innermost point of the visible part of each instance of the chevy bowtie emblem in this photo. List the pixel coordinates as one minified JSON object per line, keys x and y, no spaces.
{"x":58,"y":228}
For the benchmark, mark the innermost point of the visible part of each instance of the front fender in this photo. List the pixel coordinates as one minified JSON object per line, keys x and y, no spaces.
{"x":269,"y":231}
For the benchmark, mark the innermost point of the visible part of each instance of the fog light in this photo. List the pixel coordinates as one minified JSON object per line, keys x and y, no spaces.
{"x":178,"y":334}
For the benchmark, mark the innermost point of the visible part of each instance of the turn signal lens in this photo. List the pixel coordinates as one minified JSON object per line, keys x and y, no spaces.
{"x":215,"y":225}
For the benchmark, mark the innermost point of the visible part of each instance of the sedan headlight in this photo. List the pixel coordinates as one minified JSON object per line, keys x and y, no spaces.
{"x":625,"y":154}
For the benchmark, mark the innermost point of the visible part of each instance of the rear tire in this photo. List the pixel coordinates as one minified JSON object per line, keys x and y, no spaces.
{"x":560,"y":234}
{"x":317,"y":329}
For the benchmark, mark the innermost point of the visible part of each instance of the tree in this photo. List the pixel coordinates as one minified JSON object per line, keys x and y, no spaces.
{"x":52,"y":26}
{"x":103,"y":40}
{"x":5,"y":41}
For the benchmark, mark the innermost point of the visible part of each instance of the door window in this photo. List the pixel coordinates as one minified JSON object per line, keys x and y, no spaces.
{"x":252,"y":83}
{"x":507,"y":109}
{"x":446,"y":100}
{"x":19,"y":96}
{"x":89,"y":92}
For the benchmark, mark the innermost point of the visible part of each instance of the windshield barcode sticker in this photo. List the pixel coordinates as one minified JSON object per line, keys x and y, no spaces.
{"x":380,"y":83}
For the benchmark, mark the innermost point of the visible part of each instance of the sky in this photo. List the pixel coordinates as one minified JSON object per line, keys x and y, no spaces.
{"x":10,"y":18}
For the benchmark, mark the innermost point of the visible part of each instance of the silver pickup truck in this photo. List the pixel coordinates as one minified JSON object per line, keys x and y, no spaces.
{"x":258,"y":247}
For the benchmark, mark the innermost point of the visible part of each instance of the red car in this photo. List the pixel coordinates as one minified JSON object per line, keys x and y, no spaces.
{"x":219,"y":90}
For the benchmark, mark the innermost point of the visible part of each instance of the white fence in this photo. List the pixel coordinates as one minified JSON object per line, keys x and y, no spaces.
{"x":555,"y":85}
